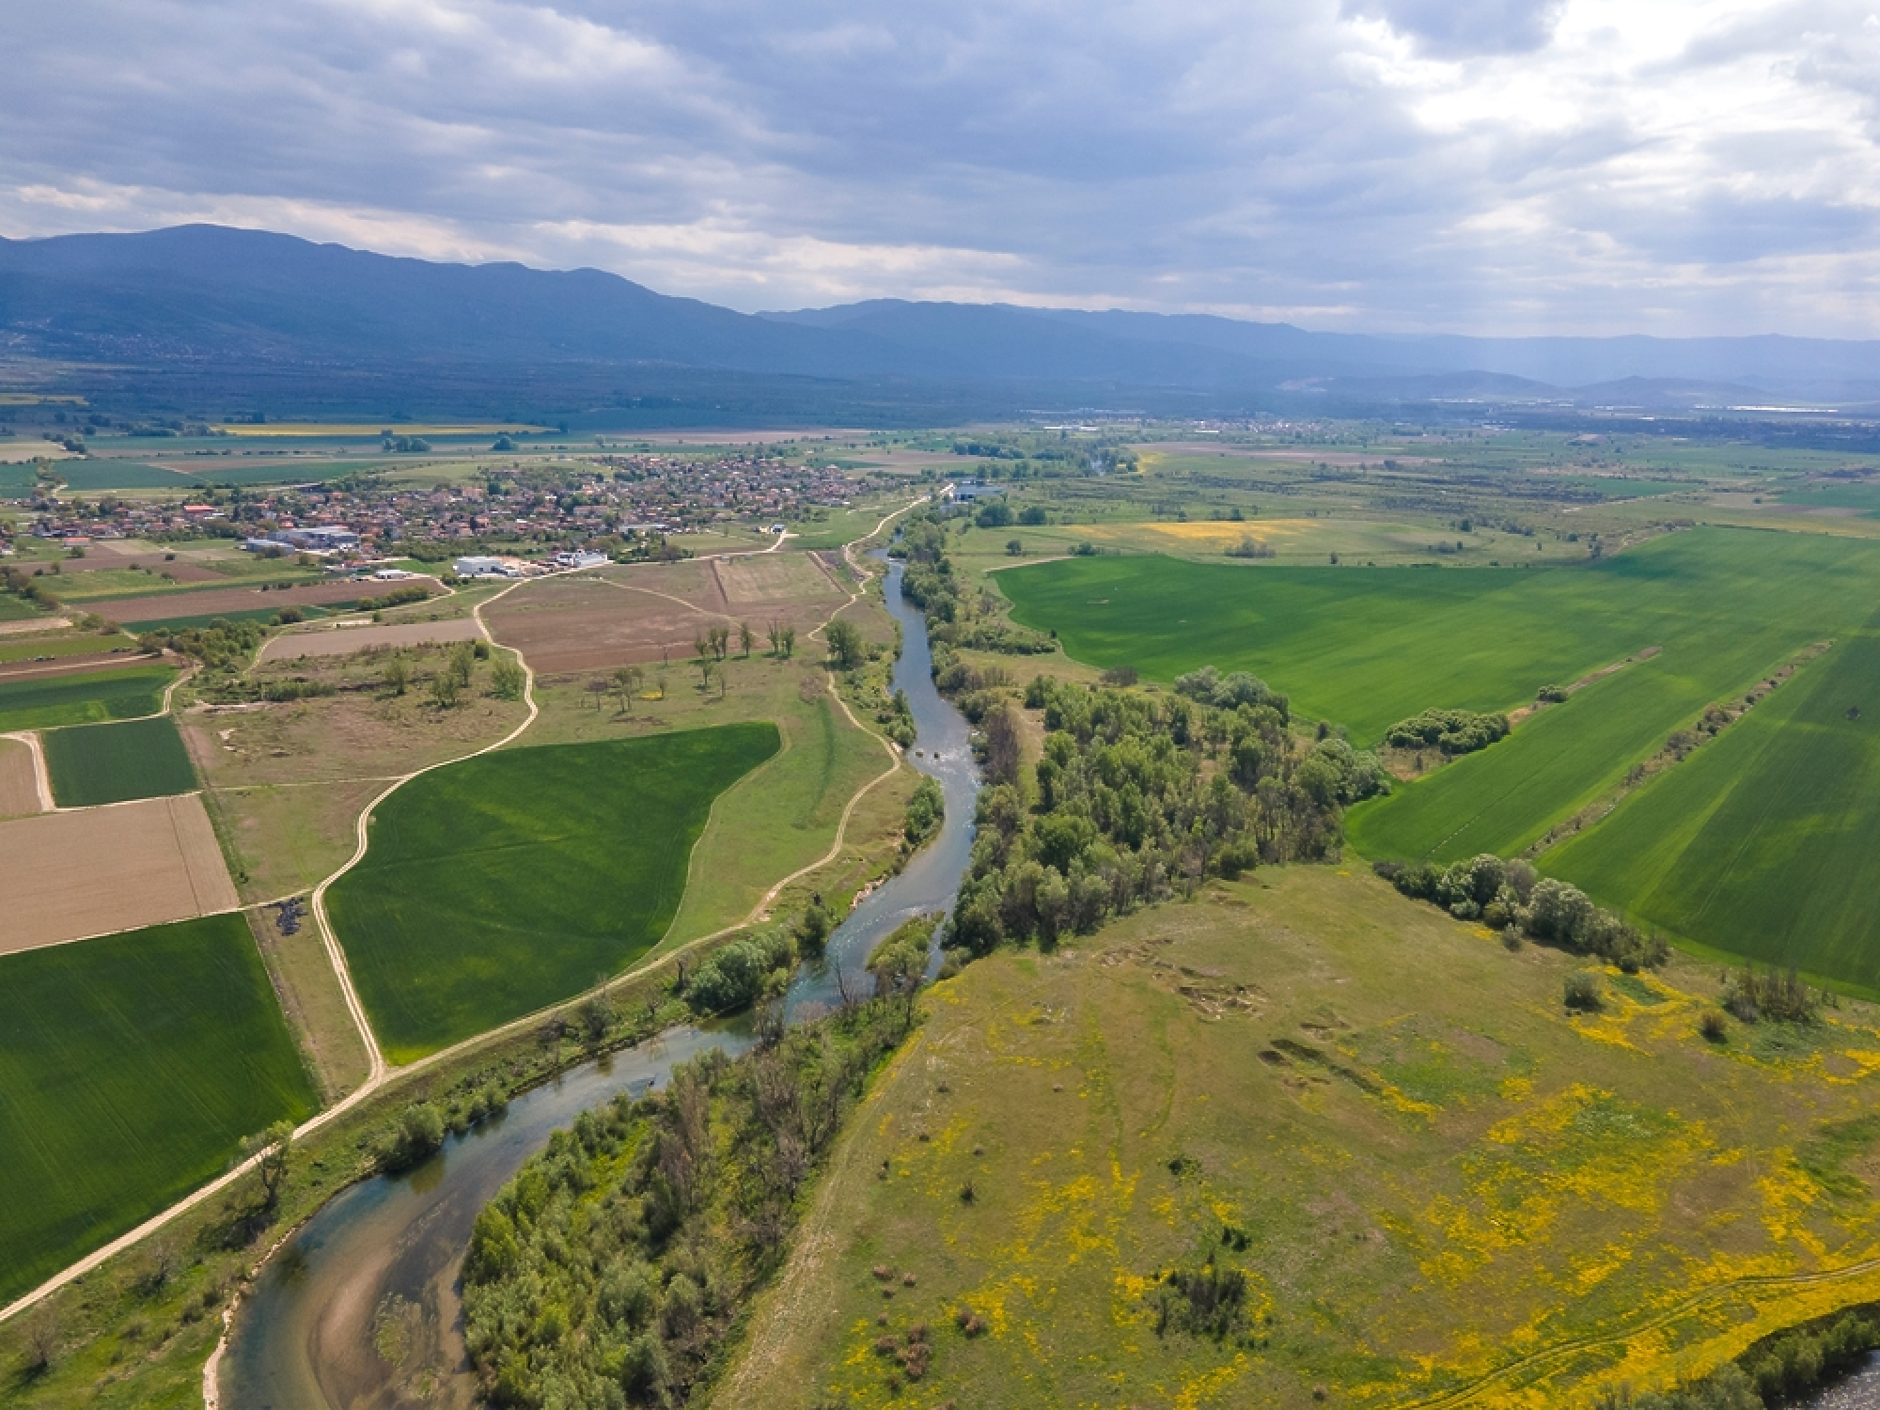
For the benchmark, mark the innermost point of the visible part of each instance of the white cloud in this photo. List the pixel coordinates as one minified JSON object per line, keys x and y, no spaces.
{"x":1486,"y":165}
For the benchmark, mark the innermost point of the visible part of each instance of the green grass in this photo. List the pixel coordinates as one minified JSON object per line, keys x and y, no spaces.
{"x":1367,"y":647}
{"x":16,"y":609}
{"x":500,"y":885}
{"x":1435,"y":1170}
{"x":121,"y":475}
{"x":113,"y":763}
{"x":255,"y":614}
{"x":50,"y":701}
{"x":30,"y":648}
{"x":130,"y":1069}
{"x":1864,"y":497}
{"x":1763,"y":842}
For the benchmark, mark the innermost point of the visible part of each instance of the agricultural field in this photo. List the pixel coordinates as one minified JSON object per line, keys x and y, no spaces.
{"x":497,"y":886}
{"x":1364,"y":647}
{"x":19,"y":780}
{"x":101,"y":870}
{"x":233,"y":601}
{"x":48,"y":702}
{"x":113,"y":763}
{"x":1431,"y":1176}
{"x":130,"y":1069}
{"x":648,"y":613}
{"x":1762,"y":842}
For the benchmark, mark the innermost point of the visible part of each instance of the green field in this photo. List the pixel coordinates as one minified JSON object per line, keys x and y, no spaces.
{"x":112,"y":763}
{"x":498,"y":886}
{"x":30,"y":648}
{"x":1763,"y":842}
{"x":253,"y":614}
{"x":121,"y":475}
{"x":1366,"y":647}
{"x":46,"y":702}
{"x":130,"y":1069}
{"x":16,"y":609}
{"x":1862,"y":497}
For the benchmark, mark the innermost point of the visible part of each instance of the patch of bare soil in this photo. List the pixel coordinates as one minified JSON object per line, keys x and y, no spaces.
{"x":78,"y":665}
{"x":19,"y":785}
{"x":98,"y":870}
{"x":651,"y":612}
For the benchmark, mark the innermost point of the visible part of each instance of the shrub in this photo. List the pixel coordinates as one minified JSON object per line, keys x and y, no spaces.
{"x":1451,"y":731}
{"x":1713,"y":1027}
{"x":1583,"y":992}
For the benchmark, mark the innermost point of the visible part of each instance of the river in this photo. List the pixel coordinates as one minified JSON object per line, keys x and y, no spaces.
{"x":359,"y":1309}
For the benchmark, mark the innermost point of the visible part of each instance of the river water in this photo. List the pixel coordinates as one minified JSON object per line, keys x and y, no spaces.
{"x":359,"y":1309}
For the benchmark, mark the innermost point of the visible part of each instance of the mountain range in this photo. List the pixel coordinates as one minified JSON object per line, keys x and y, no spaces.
{"x":202,"y":306}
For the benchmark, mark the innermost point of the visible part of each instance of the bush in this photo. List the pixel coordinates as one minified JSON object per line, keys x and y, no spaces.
{"x":1450,"y":731}
{"x":734,"y":976}
{"x":925,"y":810}
{"x":1713,"y":1027}
{"x":1751,"y":997}
{"x":1583,"y":992}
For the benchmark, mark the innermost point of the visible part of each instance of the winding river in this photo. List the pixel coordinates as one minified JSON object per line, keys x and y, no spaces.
{"x":359,"y":1309}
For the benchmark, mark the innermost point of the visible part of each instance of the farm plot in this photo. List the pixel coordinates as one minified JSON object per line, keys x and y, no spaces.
{"x":69,"y":875}
{"x":19,"y":779}
{"x":130,"y":1069}
{"x":97,"y":764}
{"x":213,"y":602}
{"x":1762,"y":843}
{"x":1366,"y":647}
{"x":47,"y":702}
{"x":647,"y":613}
{"x":498,"y":886}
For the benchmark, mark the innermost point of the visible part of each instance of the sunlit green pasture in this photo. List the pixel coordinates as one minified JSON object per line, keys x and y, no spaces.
{"x":1763,"y":842}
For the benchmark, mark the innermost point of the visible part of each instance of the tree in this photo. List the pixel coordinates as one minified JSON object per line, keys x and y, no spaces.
{"x":597,"y":688}
{"x":275,"y":1147}
{"x":627,"y":685}
{"x":397,"y":675}
{"x":463,"y":660}
{"x":775,"y":633}
{"x":507,"y":680}
{"x":788,"y":638}
{"x":846,"y":648}
{"x":706,"y":669}
{"x":444,"y":689}
{"x":1015,"y":548}
{"x":1001,"y":746}
{"x":745,"y":638}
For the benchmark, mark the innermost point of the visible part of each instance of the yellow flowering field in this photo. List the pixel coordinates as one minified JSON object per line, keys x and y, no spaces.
{"x":1434,"y":1184}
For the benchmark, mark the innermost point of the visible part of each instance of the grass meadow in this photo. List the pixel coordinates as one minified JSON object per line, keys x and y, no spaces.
{"x":130,"y":1069}
{"x":48,"y":702}
{"x":1427,"y":1170}
{"x":500,"y":885}
{"x":113,"y":763}
{"x":1762,"y":843}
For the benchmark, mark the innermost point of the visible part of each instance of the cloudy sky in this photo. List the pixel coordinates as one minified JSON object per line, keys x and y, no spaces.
{"x":1491,"y":166}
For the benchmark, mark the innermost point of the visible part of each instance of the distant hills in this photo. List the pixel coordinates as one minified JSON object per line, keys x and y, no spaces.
{"x":203,"y":310}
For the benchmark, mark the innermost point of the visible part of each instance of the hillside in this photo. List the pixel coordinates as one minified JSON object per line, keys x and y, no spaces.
{"x":1430,"y":1176}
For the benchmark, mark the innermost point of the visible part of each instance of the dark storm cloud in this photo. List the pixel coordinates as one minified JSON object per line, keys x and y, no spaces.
{"x":1402,"y":164}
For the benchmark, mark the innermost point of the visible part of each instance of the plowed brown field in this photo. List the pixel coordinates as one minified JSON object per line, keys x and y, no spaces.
{"x":19,"y":786}
{"x":635,"y":613}
{"x":70,"y":875}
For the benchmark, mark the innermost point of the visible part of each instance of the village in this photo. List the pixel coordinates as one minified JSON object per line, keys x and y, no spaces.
{"x":612,"y":505}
